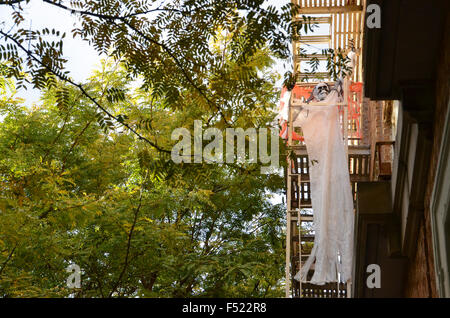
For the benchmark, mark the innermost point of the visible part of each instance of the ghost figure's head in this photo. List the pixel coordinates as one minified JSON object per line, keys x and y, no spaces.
{"x":321,"y":91}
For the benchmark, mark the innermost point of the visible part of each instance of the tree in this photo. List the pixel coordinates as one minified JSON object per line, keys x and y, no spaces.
{"x":136,"y":224}
{"x":87,"y":179}
{"x":167,"y":44}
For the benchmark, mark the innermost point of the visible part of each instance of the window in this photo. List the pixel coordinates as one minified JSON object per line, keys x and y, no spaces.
{"x":440,"y":218}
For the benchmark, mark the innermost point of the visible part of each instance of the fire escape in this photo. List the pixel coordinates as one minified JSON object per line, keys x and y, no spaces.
{"x":343,"y":20}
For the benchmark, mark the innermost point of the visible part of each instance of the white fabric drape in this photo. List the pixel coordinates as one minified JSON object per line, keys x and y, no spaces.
{"x":330,"y":193}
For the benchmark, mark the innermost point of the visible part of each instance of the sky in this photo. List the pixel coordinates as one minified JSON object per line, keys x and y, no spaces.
{"x":82,"y":59}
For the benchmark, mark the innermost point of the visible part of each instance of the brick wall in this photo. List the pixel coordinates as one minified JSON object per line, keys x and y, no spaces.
{"x":421,"y":280}
{"x":386,"y":151}
{"x":380,"y":129}
{"x":365,"y":129}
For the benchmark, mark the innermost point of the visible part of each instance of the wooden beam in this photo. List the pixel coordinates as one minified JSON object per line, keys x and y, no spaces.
{"x":345,"y":31}
{"x":325,"y":10}
{"x":317,"y":20}
{"x":339,"y":28}
{"x":315,"y":39}
{"x":308,"y":218}
{"x":317,"y":75}
{"x":334,"y":31}
{"x":305,"y":238}
{"x":288,"y":214}
{"x":308,"y":57}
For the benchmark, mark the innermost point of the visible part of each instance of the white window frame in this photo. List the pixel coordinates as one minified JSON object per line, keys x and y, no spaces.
{"x":440,"y":218}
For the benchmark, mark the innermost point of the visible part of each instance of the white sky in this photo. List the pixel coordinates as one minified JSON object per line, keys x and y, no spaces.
{"x":81,"y":57}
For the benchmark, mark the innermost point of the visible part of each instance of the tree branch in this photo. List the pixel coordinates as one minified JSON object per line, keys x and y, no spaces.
{"x":80,"y":87}
{"x":107,"y":16}
{"x":124,"y":20}
{"x":127,"y":254}
{"x":179,"y":65}
{"x":7,"y":260}
{"x":9,"y":2}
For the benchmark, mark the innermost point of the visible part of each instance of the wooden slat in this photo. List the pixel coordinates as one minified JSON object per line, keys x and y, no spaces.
{"x":329,"y":10}
{"x":335,"y":31}
{"x":353,"y":14}
{"x":303,"y":219}
{"x":317,"y":75}
{"x":345,"y":30}
{"x":358,"y":44}
{"x":305,"y":238}
{"x":317,"y":20}
{"x":306,"y":218}
{"x":339,"y":30}
{"x":315,"y":39}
